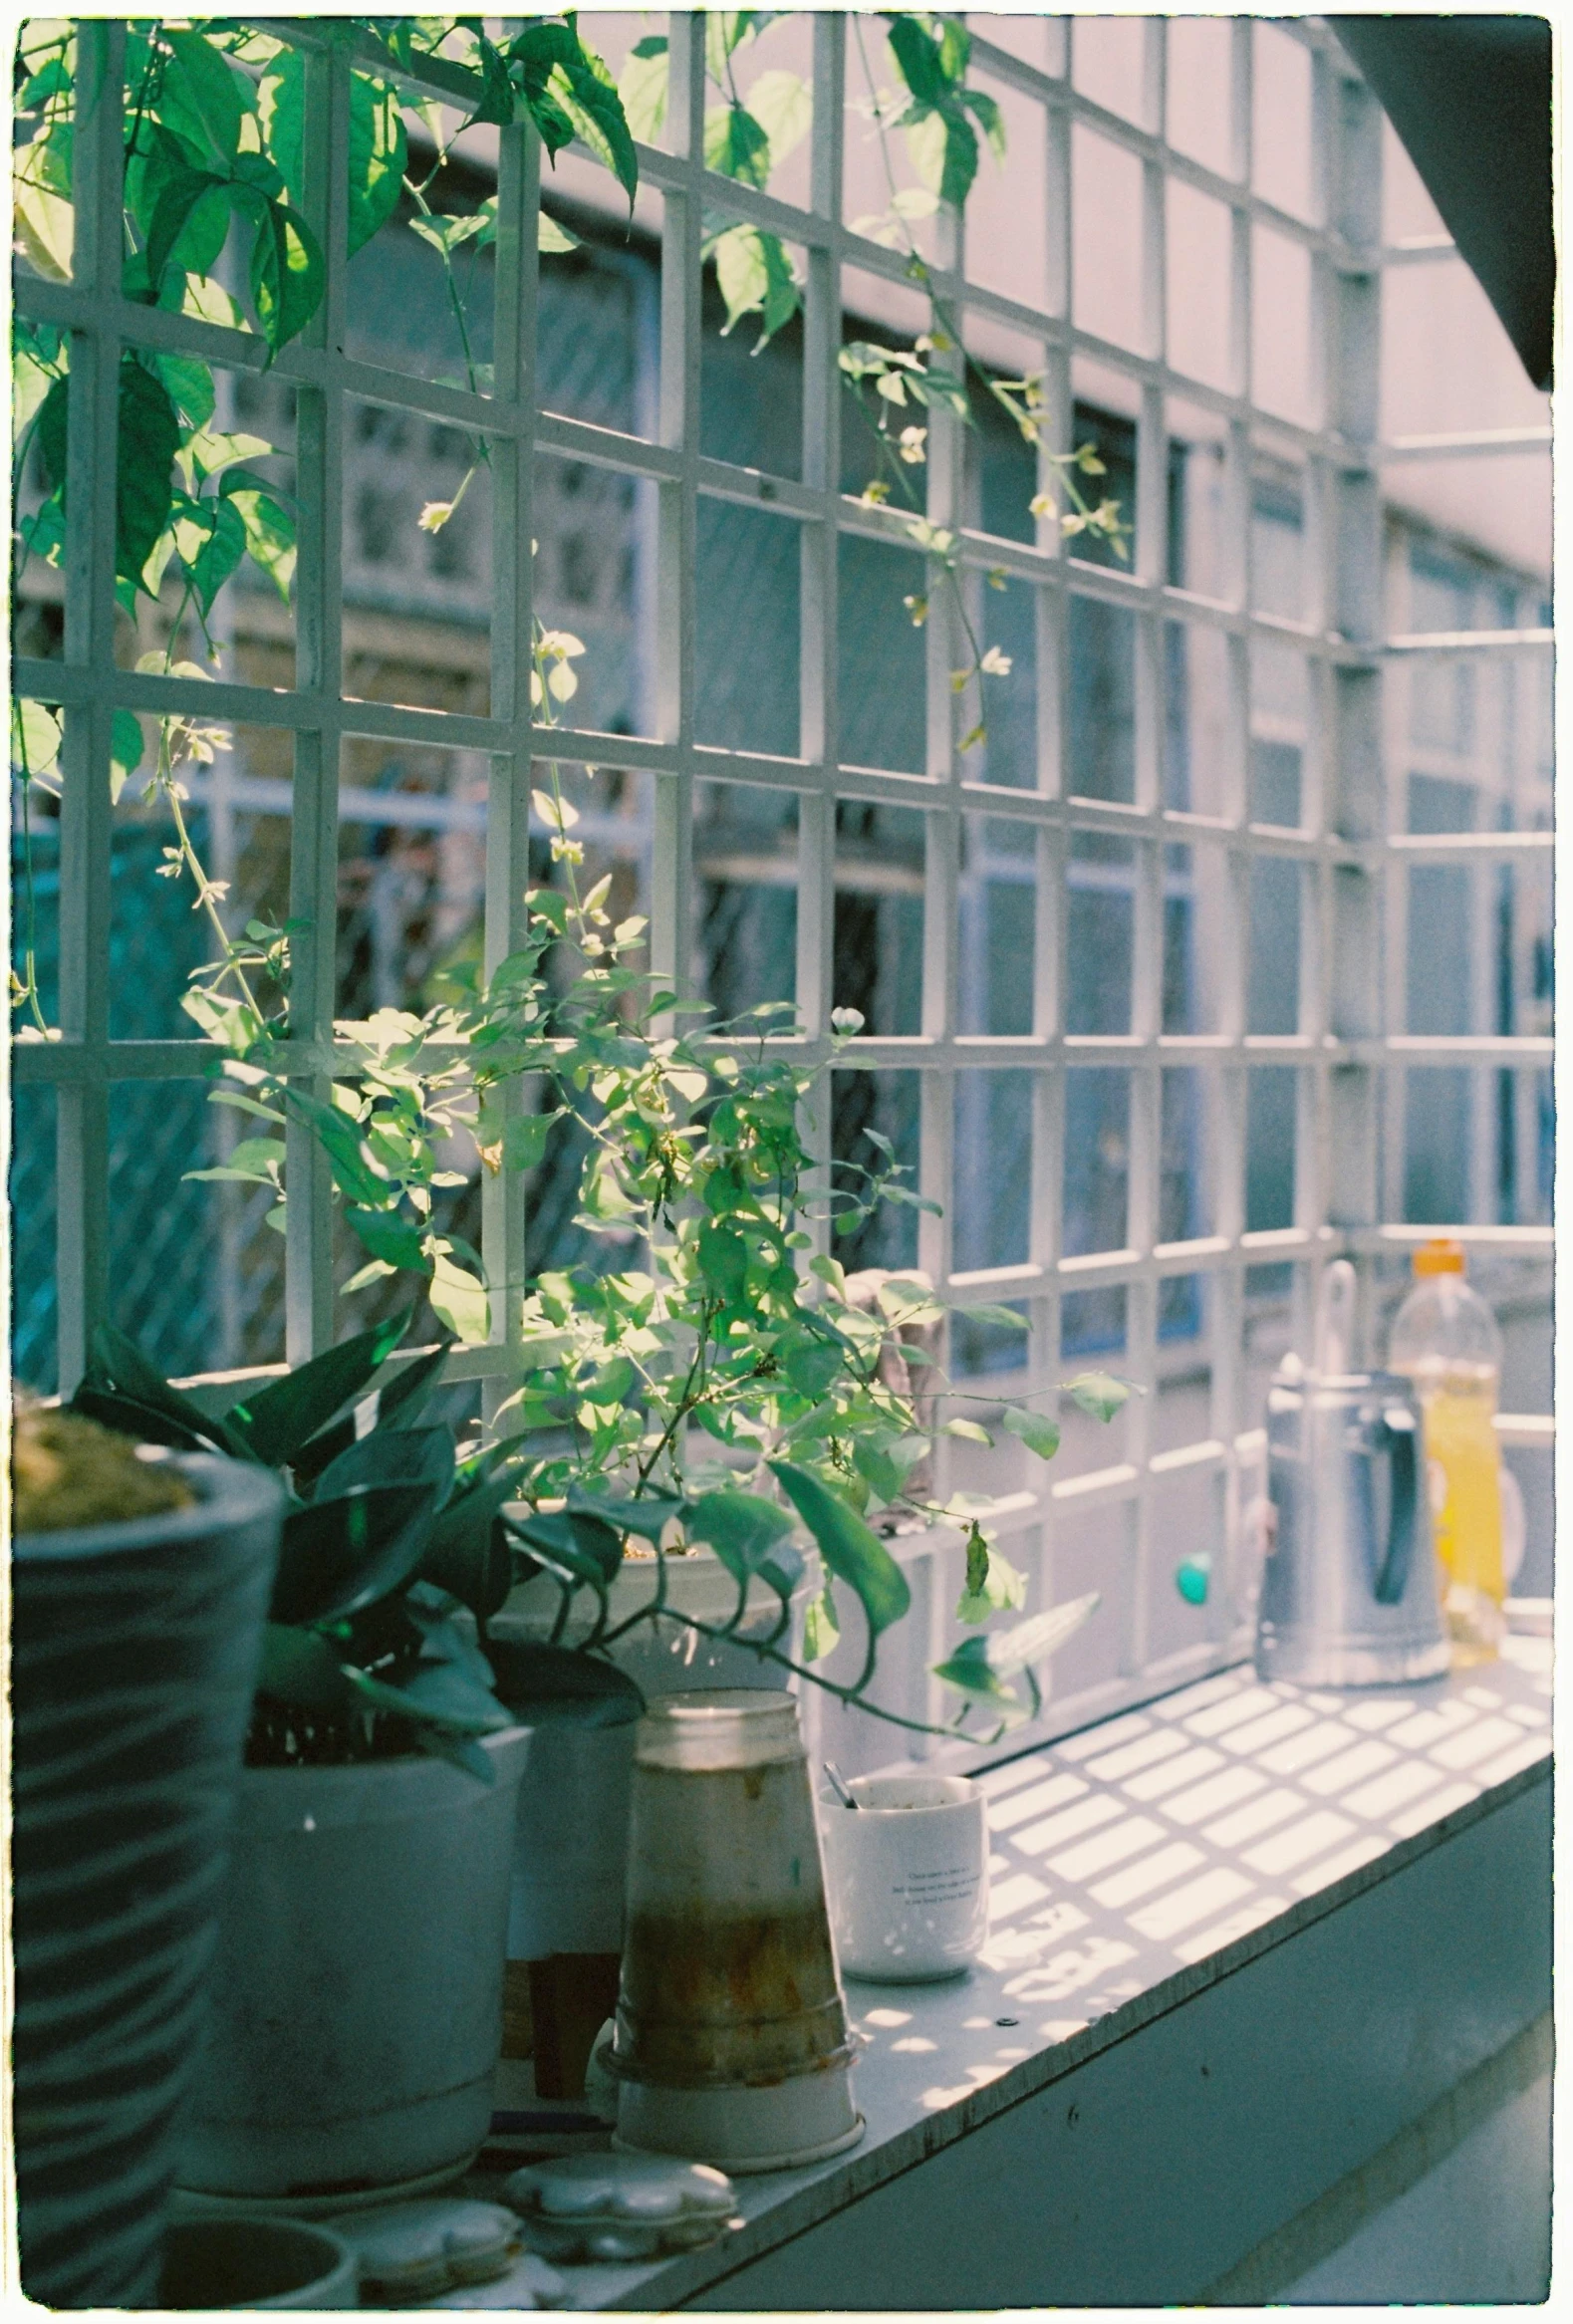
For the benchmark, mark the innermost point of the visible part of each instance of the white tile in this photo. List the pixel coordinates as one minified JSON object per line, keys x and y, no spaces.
{"x":1288,"y":1719}
{"x":1005,"y":1814}
{"x":1432,"y":1808}
{"x":1331,"y":1868}
{"x":1394,"y":1790}
{"x":1484,"y":1698}
{"x":1192,"y":1698}
{"x":1231,"y":1714}
{"x":1211,"y":1797}
{"x":1299,"y":1843}
{"x":1349,"y":1767}
{"x":1114,"y":1764}
{"x":1014,"y":1896}
{"x":1318,"y":1742}
{"x":1194,"y":1900}
{"x":1433,"y":1726}
{"x":1139,"y":1880}
{"x":1258,"y":1816}
{"x":1105,"y":1848}
{"x":1103,"y":1738}
{"x":994,"y":1782}
{"x":1067,"y":1973}
{"x":1372,"y":1717}
{"x":1084,"y":1817}
{"x":1153,"y":1782}
{"x":1529,"y":1714}
{"x":1476,"y":1743}
{"x":1239,"y":1924}
{"x":1523,"y":1754}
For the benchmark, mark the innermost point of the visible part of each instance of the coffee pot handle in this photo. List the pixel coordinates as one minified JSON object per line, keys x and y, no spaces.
{"x":1396,"y":1436}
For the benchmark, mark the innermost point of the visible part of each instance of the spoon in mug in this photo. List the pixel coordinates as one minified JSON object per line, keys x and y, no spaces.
{"x":838,"y":1785}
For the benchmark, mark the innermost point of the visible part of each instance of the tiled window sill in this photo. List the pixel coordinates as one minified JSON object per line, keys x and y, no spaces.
{"x":1136,"y":1865}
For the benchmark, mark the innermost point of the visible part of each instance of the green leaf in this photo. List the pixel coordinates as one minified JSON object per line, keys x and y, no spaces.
{"x":378,"y":156}
{"x":755,"y":276}
{"x":148,"y":437}
{"x":288,"y":273}
{"x":736,"y":145}
{"x":189,"y":384}
{"x":117,"y":1366}
{"x":459,"y":1301}
{"x":1006,"y":1318}
{"x":281,"y":97}
{"x":392,"y":1457}
{"x":742,"y":1528}
{"x":467,"y":1553}
{"x":918,"y":58}
{"x":36,"y":736}
{"x":849,"y":1547}
{"x":812,"y":1365}
{"x":338,"y":1556}
{"x":594,"y":107}
{"x":342,"y":1141}
{"x":275,"y":1422}
{"x":446,"y":1695}
{"x":723,"y":1261}
{"x":1098,"y":1393}
{"x":201,"y":98}
{"x":783,"y":105}
{"x":301,"y":1669}
{"x":270,"y":530}
{"x":551,"y":237}
{"x":219,"y":554}
{"x":993,"y":1585}
{"x":389,"y":1237}
{"x":1037,"y":1431}
{"x":642,"y":89}
{"x":1034,"y":1641}
{"x":649,"y":1516}
{"x":545,"y":1685}
{"x":574,"y":1540}
{"x":190,"y":224}
{"x":969,"y":1429}
{"x":820,"y":1627}
{"x":970,"y":1672}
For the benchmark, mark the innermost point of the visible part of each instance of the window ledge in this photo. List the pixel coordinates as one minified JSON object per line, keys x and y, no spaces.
{"x":1345,"y":1851}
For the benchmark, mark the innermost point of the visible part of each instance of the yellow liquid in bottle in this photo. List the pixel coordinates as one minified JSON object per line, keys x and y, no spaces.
{"x":1467,"y":1510}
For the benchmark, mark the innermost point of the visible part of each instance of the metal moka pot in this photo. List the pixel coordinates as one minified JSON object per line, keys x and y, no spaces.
{"x":1349,"y":1594}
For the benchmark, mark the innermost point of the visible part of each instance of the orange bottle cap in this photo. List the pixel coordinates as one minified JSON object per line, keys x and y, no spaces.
{"x":1440,"y":1257}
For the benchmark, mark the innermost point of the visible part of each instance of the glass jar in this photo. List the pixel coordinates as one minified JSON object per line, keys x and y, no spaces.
{"x":731,"y":2043}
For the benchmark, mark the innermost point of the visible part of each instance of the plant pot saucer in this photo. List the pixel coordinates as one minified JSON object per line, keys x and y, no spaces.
{"x":191,"y":2203}
{"x":753,"y":2165}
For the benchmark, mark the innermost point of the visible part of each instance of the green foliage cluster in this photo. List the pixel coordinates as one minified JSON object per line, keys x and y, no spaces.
{"x":732,"y":1329}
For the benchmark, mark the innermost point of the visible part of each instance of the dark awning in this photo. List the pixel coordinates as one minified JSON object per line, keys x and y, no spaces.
{"x":1471,"y":97}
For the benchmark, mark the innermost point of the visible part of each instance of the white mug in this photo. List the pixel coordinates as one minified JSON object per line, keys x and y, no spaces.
{"x":907,"y":1877}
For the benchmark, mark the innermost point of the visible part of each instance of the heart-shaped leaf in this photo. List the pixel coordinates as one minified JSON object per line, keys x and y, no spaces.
{"x":850,"y":1549}
{"x":1098,"y":1393}
{"x":742,"y":1528}
{"x":1037,"y":1431}
{"x":649,"y":1516}
{"x":555,"y":1687}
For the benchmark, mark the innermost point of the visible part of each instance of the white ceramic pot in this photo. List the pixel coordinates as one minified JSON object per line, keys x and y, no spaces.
{"x":356,"y":1993}
{"x":907,"y":1877}
{"x":571,"y":1841}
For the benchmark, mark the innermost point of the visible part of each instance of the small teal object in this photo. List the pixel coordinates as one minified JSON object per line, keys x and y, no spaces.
{"x":1190,"y":1579}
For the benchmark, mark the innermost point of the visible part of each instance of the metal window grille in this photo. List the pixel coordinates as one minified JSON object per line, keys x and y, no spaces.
{"x":1338,"y":1070}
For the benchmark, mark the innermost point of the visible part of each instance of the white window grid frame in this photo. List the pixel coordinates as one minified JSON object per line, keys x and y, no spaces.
{"x":1351,"y":844}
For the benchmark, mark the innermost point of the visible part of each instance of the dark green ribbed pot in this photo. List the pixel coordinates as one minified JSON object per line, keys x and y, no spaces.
{"x":133,"y":1654}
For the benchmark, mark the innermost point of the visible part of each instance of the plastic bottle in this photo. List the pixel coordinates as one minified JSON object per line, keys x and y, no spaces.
{"x":1445,"y":1338}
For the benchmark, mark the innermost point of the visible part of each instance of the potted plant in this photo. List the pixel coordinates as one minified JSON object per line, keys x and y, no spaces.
{"x":139,"y":1589}
{"x":353,"y":2031}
